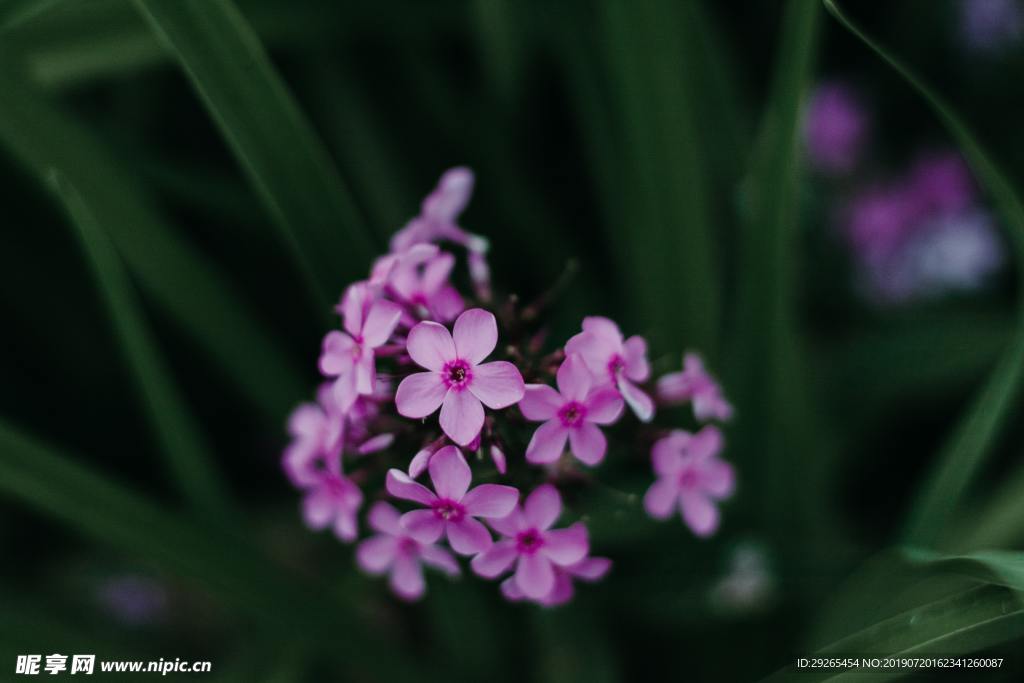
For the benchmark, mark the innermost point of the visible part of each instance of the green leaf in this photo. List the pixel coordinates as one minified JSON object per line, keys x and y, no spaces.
{"x":997,"y":520}
{"x":280,"y":153}
{"x":16,"y":12}
{"x":187,"y":454}
{"x":966,"y":622}
{"x":998,"y":567}
{"x":178,"y":277}
{"x":223,"y":563}
{"x":964,"y":453}
{"x":664,"y":234}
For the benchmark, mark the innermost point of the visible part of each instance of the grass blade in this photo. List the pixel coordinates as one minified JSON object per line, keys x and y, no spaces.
{"x":178,"y":277}
{"x":226,"y":565}
{"x":963,"y":455}
{"x":278,"y":150}
{"x":189,"y":458}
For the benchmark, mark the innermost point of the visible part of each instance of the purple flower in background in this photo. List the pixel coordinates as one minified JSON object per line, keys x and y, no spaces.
{"x":317,"y":431}
{"x":835,"y":128}
{"x":988,"y":25}
{"x":690,"y":477}
{"x":423,"y":285}
{"x":332,"y":500}
{"x":878,"y":222}
{"x":458,"y":382}
{"x":533,"y":545}
{"x":616,"y":361}
{"x":349,"y":355}
{"x":395,"y":551}
{"x":572,"y":413}
{"x":133,"y":599}
{"x":589,"y":569}
{"x":452,"y":506}
{"x":695,"y":384}
{"x":954,"y":253}
{"x":939,"y":184}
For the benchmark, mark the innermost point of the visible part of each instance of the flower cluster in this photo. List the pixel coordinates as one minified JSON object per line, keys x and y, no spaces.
{"x":417,"y":340}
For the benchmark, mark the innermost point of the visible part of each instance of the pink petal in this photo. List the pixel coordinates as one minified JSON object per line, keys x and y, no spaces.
{"x":667,"y":453}
{"x":711,"y":405}
{"x":498,"y":457}
{"x":511,"y":524}
{"x":436,"y":272}
{"x":635,"y":357}
{"x":450,"y":196}
{"x":566,"y":546}
{"x":596,"y":352}
{"x":718,"y":479}
{"x":446,"y":303}
{"x":430,"y":345}
{"x":604,"y":405}
{"x":495,"y":560}
{"x":468,"y":536}
{"x":439,"y":558}
{"x":548,"y":442}
{"x":420,"y":394}
{"x":603,"y":327}
{"x":462,"y":416}
{"x":561,"y":593}
{"x":491,"y":500}
{"x":640,"y":402}
{"x":407,"y":578}
{"x":336,"y":353}
{"x":535,"y":576}
{"x":317,"y":510}
{"x":540,"y":402}
{"x":498,"y":384}
{"x":660,"y":498}
{"x":375,"y":554}
{"x":365,"y":372}
{"x":418,"y":464}
{"x":306,"y":420}
{"x":353,"y":302}
{"x":450,"y":473}
{"x":400,"y":485}
{"x":510,"y":590}
{"x":543,"y":506}
{"x":345,"y":390}
{"x":588,"y":443}
{"x":384,"y":518}
{"x":574,"y":378}
{"x":699,"y":513}
{"x":380,"y":323}
{"x":590,"y":568}
{"x":375,"y":444}
{"x":706,"y":443}
{"x":345,"y":526}
{"x":475,"y":335}
{"x":423,"y":525}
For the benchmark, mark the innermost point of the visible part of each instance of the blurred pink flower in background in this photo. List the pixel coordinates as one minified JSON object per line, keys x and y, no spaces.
{"x":990,"y":25}
{"x":835,"y":128}
{"x":694,"y":384}
{"x":615,"y":361}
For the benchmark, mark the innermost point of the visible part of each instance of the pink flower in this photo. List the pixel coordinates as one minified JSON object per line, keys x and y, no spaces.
{"x":394,"y":551}
{"x":589,"y":569}
{"x":573,"y":412}
{"x":695,"y":384}
{"x":622,"y":362}
{"x":532,"y":544}
{"x":453,"y":506}
{"x":318,"y":432}
{"x":349,"y":355}
{"x":439,"y":214}
{"x":424,"y":286}
{"x":690,"y":473}
{"x":332,"y":500}
{"x":457,"y":382}
{"x":835,"y":128}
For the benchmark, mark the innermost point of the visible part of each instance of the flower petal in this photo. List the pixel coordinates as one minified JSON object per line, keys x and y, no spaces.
{"x":439,"y":558}
{"x":574,"y":378}
{"x":418,"y":464}
{"x":699,"y":513}
{"x":588,"y":443}
{"x":547,"y":442}
{"x":380,"y":323}
{"x":436,"y":271}
{"x":535,"y":576}
{"x":430,"y":345}
{"x":561,"y":593}
{"x":495,"y":560}
{"x":543,"y":506}
{"x":450,"y":473}
{"x":407,"y":578}
{"x":317,"y":509}
{"x":660,"y":498}
{"x":509,"y":525}
{"x":510,"y":590}
{"x":420,"y":394}
{"x":468,"y":536}
{"x":446,"y":303}
{"x":498,"y":384}
{"x":718,"y":479}
{"x":635,"y":356}
{"x":491,"y":500}
{"x":384,"y":518}
{"x":540,"y":402}
{"x":375,"y":554}
{"x":336,"y":353}
{"x":400,"y":485}
{"x":640,"y":402}
{"x":475,"y":335}
{"x":423,"y":525}
{"x":604,"y":405}
{"x":566,"y":546}
{"x":375,"y":444}
{"x":345,"y":526}
{"x":590,"y":568}
{"x":462,"y":416}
